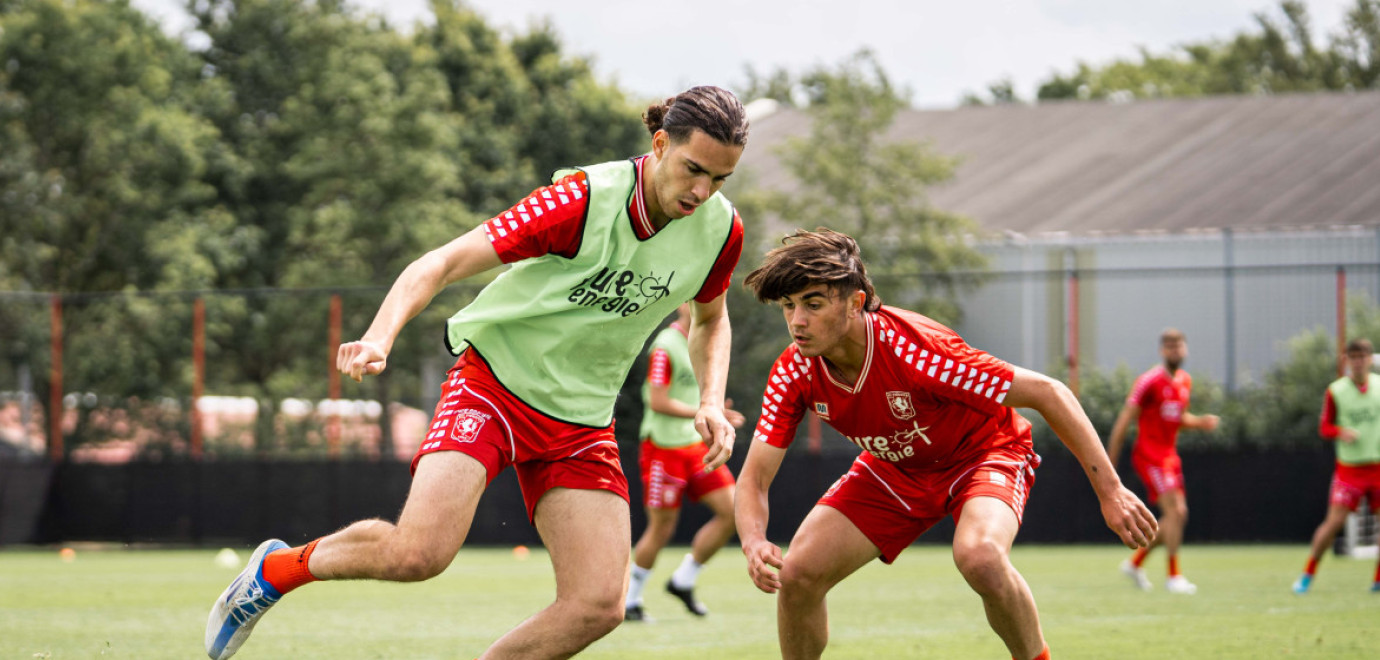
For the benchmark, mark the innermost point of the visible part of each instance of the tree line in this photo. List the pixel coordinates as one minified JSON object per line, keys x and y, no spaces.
{"x":1280,"y":54}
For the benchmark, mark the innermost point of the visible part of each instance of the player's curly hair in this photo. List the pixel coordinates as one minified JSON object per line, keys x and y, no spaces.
{"x":806,"y":258}
{"x":714,"y":110}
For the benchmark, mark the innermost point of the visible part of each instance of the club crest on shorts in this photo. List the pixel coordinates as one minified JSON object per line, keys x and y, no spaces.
{"x":467,"y":425}
{"x":900,"y":404}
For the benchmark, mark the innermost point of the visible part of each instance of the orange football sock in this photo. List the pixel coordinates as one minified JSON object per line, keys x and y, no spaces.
{"x":1173,"y":565}
{"x":287,"y":569}
{"x":1312,"y":567}
{"x":1139,"y":557}
{"x":1044,"y":655}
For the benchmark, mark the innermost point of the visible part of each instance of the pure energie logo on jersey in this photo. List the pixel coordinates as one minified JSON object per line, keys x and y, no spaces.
{"x":900,"y":446}
{"x":621,"y":292}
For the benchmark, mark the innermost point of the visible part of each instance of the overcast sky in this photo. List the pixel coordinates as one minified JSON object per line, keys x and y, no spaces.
{"x":938,"y":49}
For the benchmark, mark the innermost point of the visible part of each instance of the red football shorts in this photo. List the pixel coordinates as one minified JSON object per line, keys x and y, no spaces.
{"x":1352,"y":482}
{"x":478,"y":417}
{"x":893,"y":508}
{"x":1159,"y":476}
{"x":670,"y":474}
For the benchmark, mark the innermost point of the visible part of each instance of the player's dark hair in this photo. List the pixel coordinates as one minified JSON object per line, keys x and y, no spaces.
{"x":807,"y":258}
{"x":714,"y":110}
{"x":1360,"y":345}
{"x":1172,"y":336}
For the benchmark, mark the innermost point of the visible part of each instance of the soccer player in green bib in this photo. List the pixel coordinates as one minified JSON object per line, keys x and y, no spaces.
{"x":1350,"y":418}
{"x":598,"y":258}
{"x":671,"y":459}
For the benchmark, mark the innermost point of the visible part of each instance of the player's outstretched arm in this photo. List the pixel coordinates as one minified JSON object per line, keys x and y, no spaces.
{"x":710,"y":339}
{"x":1124,"y":513}
{"x":411,"y":292}
{"x":751,"y":511}
{"x":1200,"y":422}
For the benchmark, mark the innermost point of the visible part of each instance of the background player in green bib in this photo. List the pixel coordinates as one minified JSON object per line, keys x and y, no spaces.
{"x":1351,"y":417}
{"x":672,"y":463}
{"x":598,"y":258}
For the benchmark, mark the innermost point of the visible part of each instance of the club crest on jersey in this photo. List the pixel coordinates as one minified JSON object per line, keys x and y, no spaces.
{"x":467,"y":425}
{"x":900,"y":405}
{"x":822,"y":409}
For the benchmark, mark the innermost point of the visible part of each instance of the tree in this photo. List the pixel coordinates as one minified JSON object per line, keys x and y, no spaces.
{"x":102,"y":156}
{"x":1282,"y":56}
{"x":851,"y":176}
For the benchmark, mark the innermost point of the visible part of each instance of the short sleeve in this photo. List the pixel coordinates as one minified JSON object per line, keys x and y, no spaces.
{"x":956,"y":371}
{"x":783,"y":401}
{"x":659,"y":368}
{"x":549,"y":221}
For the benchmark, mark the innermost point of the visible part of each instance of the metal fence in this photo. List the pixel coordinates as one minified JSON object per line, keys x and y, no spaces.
{"x":228,"y":374}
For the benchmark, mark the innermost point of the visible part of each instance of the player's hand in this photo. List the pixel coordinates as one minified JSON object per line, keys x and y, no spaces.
{"x":764,"y":563}
{"x":1348,"y":435}
{"x":717,"y":433}
{"x":733,"y":416}
{"x":358,"y":359}
{"x":1210,"y":422}
{"x":1128,"y":518}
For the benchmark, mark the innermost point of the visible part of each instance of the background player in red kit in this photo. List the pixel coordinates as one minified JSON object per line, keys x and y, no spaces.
{"x":1159,"y":403}
{"x":939,"y":436}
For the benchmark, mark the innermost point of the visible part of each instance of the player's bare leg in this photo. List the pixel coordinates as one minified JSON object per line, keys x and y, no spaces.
{"x":1327,"y":532}
{"x":1173,"y":516}
{"x":434,"y":522}
{"x":661,"y":525}
{"x":708,"y":540}
{"x":586,"y":532}
{"x":715,"y":533}
{"x":827,"y":548}
{"x":1323,"y":537}
{"x":982,"y":549}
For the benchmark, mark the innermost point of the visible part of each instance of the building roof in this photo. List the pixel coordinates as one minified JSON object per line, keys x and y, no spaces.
{"x":1173,"y":165}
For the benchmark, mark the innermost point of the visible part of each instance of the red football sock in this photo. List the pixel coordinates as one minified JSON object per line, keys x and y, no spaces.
{"x":1173,"y":565}
{"x":1377,"y":571}
{"x":1139,"y":557}
{"x":287,"y":569}
{"x":1312,"y":567}
{"x":1044,"y":655}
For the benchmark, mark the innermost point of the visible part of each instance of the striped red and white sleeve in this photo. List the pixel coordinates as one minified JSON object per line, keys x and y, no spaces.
{"x":659,"y":368}
{"x":721,"y":275}
{"x":1142,"y":390}
{"x":548,"y":221}
{"x":948,"y":367}
{"x":783,"y":401}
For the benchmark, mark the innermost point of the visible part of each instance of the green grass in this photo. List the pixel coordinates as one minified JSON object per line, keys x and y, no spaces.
{"x":152,"y":604}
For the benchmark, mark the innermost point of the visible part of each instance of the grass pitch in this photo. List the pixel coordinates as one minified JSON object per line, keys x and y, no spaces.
{"x":153,"y":604}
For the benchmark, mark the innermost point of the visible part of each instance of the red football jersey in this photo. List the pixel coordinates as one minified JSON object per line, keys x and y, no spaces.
{"x":924,"y":400}
{"x":1162,"y":399}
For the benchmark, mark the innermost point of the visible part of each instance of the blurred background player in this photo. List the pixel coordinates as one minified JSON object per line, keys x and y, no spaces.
{"x":672,"y":463}
{"x":1351,"y":417}
{"x":600,"y":258}
{"x":1159,"y":403}
{"x":939,"y":434}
